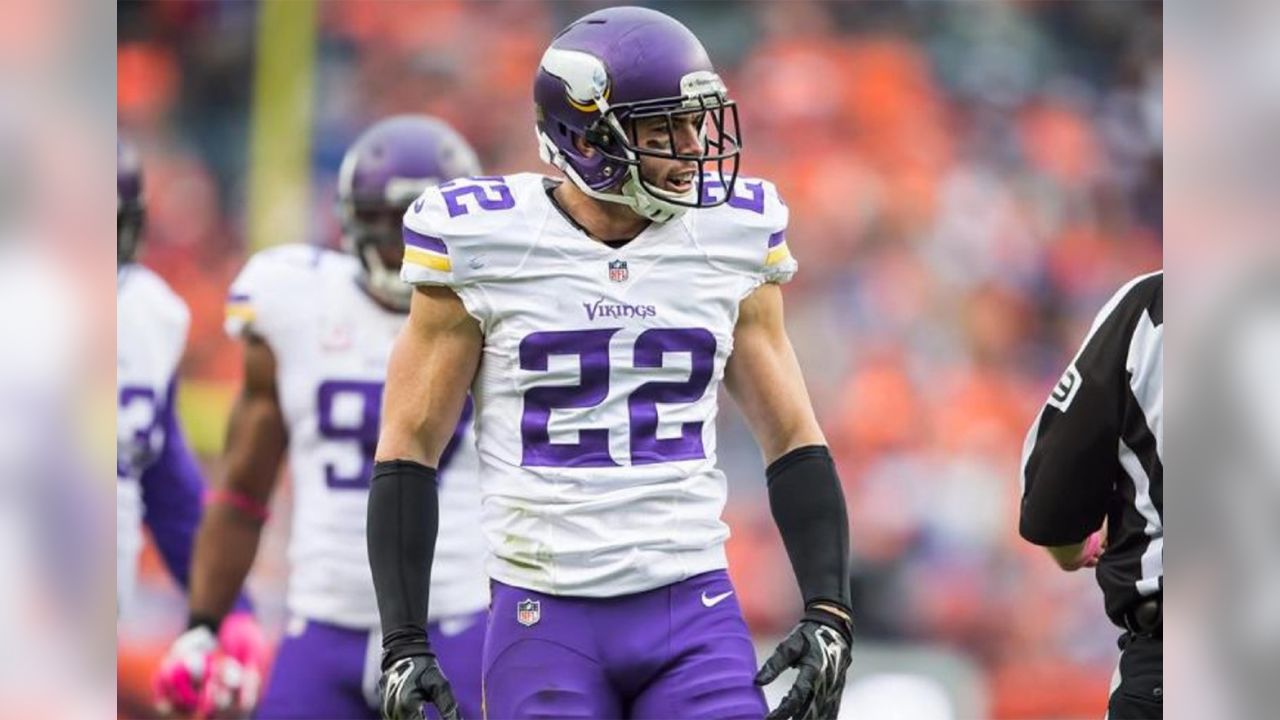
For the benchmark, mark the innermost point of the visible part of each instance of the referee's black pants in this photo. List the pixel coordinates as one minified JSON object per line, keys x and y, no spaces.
{"x":1137,"y":688}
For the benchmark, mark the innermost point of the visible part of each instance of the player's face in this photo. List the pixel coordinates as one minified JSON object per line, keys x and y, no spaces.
{"x":684,"y":136}
{"x":383,"y":225}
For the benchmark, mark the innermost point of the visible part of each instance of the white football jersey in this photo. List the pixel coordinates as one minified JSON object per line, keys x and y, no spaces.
{"x":596,"y":394}
{"x":331,"y":342}
{"x":151,"y":332}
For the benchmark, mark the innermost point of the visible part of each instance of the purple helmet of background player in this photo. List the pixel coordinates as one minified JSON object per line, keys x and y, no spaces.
{"x":129,"y":209}
{"x":622,"y":64}
{"x":386,"y":169}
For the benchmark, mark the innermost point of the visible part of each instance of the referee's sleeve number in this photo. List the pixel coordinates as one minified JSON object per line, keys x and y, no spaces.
{"x":1065,"y":391}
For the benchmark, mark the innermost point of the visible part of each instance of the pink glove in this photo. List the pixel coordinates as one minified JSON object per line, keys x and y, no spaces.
{"x":204,"y":678}
{"x":235,"y":677}
{"x":179,"y":681}
{"x":1092,"y":550}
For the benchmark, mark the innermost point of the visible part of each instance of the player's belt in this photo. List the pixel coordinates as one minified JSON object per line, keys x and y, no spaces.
{"x":1146,"y":619}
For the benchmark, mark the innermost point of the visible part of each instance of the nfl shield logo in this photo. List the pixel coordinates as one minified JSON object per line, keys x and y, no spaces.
{"x":528,"y":612}
{"x":618,"y":270}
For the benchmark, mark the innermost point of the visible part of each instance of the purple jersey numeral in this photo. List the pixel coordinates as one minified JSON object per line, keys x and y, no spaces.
{"x":646,"y":447}
{"x":363,"y":432}
{"x":747,"y":195}
{"x":592,"y":349}
{"x":490,"y":193}
{"x":140,"y":450}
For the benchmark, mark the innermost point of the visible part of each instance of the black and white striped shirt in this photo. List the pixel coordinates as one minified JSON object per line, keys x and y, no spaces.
{"x":1096,"y":449}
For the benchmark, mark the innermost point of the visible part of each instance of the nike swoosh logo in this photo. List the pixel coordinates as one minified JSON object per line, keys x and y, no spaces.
{"x":713,"y":600}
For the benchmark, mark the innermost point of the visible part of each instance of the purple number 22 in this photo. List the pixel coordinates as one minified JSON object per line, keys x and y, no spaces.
{"x":490,"y":193}
{"x":592,"y":349}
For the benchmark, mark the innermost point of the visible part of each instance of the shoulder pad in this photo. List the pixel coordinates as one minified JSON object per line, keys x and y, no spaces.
{"x":747,"y":233}
{"x":272,"y":278}
{"x":458,"y":233}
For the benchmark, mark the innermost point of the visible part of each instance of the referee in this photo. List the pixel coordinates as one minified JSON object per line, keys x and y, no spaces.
{"x":1093,"y":482}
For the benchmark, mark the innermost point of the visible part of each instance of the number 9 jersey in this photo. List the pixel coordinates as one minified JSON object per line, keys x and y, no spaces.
{"x":596,"y":396}
{"x":331,"y":343}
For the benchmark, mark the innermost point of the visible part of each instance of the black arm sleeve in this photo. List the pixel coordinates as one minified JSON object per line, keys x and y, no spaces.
{"x":402,"y":524}
{"x":808,"y":506}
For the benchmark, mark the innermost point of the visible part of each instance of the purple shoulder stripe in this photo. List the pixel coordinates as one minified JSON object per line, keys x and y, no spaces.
{"x":424,"y":242}
{"x":777,"y":238}
{"x":238,"y":297}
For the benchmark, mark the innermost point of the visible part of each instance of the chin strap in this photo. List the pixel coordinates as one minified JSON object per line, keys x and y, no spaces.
{"x":645,"y":203}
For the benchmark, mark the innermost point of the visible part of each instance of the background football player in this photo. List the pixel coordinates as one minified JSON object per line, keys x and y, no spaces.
{"x":594,"y":320}
{"x":317,"y":327}
{"x":158,"y":479}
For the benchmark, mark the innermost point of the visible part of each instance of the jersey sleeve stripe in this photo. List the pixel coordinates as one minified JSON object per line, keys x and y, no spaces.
{"x":423,"y":258}
{"x":424,"y":242}
{"x":777,"y":255}
{"x":777,"y":238}
{"x":240,"y":311}
{"x":238,"y":297}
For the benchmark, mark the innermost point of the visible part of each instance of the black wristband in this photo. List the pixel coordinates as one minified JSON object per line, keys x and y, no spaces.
{"x":402,"y":524}
{"x":808,"y":507}
{"x":839,"y":618}
{"x":206,"y":621}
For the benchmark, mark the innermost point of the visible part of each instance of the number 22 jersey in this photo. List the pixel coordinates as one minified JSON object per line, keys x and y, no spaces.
{"x":331,"y":342}
{"x":596,"y":393}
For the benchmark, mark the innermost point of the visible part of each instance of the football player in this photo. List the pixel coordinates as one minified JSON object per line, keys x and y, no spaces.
{"x":317,"y":327}
{"x":594,"y":319}
{"x":158,"y":480}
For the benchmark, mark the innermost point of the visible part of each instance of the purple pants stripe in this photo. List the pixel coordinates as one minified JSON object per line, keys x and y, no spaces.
{"x":681,"y":651}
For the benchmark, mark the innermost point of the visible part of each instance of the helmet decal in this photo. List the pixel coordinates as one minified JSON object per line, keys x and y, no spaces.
{"x":585,"y":79}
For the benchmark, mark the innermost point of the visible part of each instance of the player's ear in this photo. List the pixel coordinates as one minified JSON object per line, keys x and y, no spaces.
{"x":584,"y":147}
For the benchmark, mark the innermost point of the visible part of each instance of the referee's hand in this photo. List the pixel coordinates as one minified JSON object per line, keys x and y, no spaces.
{"x":1093,"y":548}
{"x":410,"y":683}
{"x":1082,"y":554}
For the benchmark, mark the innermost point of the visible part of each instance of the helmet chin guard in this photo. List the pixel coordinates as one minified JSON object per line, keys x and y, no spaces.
{"x":380,"y":281}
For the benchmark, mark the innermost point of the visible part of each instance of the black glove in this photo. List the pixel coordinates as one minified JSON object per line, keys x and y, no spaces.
{"x":819,"y":647}
{"x":412,"y":681}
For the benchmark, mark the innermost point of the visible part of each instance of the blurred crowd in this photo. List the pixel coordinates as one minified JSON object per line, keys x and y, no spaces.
{"x":968,"y":183}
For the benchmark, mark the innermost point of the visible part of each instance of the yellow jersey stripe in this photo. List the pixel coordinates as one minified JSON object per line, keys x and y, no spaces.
{"x":241,"y":311}
{"x":777,"y":255}
{"x":427,"y":259}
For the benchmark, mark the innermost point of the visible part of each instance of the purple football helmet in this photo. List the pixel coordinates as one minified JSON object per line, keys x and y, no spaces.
{"x":622,"y":64}
{"x":385,"y":170}
{"x":130,"y":213}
